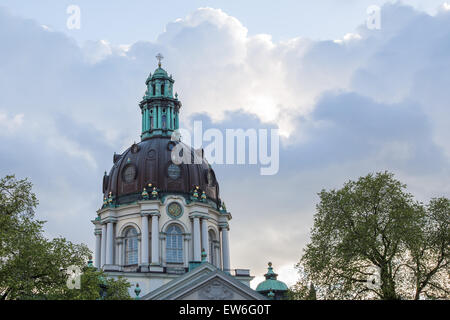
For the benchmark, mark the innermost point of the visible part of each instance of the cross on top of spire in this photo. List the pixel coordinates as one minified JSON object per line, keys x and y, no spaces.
{"x":159,"y":56}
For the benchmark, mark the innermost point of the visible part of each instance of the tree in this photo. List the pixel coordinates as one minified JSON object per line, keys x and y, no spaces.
{"x":311,"y":292}
{"x":298,"y":291}
{"x":371,"y":239}
{"x":95,"y":285}
{"x":31,"y":266}
{"x":301,"y":290}
{"x":429,"y":252}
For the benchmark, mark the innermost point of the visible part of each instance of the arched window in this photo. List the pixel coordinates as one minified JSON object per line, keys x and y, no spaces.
{"x":154,"y":89}
{"x":174,"y":244}
{"x":131,"y":247}
{"x":164,"y":121}
{"x":162,"y":89}
{"x":212,"y":250}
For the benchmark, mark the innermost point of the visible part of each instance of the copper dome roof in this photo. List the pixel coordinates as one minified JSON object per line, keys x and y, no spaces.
{"x":150,"y":162}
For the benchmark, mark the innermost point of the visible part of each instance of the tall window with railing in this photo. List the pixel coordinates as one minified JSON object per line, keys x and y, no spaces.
{"x":174,"y":244}
{"x":131,"y":247}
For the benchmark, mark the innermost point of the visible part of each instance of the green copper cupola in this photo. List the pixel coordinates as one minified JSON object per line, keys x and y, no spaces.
{"x":271,"y":287}
{"x":159,"y":107}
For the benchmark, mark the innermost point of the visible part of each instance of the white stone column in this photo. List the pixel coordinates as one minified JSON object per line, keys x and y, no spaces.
{"x":144,"y":242}
{"x":109,"y":242}
{"x":197,"y":249}
{"x":205,"y":243}
{"x":162,"y":244}
{"x":98,"y":247}
{"x":120,"y":254}
{"x":116,"y":252}
{"x":103,"y":249}
{"x":155,"y":240}
{"x":187,"y":237}
{"x":139,"y":249}
{"x":225,"y":250}
{"x":217,"y":253}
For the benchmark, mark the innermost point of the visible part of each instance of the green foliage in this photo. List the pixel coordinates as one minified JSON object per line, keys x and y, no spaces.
{"x":93,"y":283}
{"x":375,"y":223}
{"x":298,"y":291}
{"x":33,"y":267}
{"x":301,"y":290}
{"x":428,"y":258}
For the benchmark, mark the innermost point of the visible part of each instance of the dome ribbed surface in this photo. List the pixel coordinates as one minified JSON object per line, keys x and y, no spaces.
{"x":150,"y":161}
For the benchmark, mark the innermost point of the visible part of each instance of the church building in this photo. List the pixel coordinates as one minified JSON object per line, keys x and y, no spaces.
{"x":163,"y":225}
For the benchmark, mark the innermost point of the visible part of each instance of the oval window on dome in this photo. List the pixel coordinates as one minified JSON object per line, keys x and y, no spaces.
{"x":173,"y":171}
{"x":151,"y":154}
{"x":129,"y":174}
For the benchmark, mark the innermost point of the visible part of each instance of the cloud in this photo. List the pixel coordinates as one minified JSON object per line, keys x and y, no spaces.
{"x":375,"y":100}
{"x":9,"y":124}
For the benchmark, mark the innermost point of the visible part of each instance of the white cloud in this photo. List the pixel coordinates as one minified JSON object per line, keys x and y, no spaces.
{"x":445,"y":6}
{"x":46,"y":28}
{"x":72,"y":149}
{"x":96,"y":51}
{"x":348,"y":37}
{"x":10,"y":124}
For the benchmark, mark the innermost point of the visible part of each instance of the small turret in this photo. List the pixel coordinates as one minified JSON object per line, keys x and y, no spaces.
{"x":271,"y":287}
{"x":159,"y":108}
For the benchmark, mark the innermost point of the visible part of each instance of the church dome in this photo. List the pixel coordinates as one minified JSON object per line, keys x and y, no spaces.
{"x":149,"y":162}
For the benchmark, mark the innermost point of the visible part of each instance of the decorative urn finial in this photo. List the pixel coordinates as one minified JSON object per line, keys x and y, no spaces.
{"x":90,"y":262}
{"x":144,"y":194}
{"x":204,"y":255}
{"x":137,"y":291}
{"x":110,"y":198}
{"x":154,"y":192}
{"x":195,"y":193}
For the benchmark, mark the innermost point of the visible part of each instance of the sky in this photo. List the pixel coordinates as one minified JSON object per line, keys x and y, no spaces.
{"x":347,"y":99}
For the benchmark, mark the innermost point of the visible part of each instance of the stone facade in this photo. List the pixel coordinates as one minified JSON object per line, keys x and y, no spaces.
{"x":160,"y":220}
